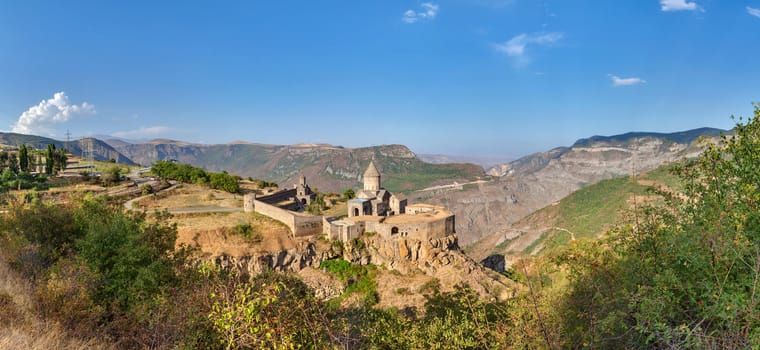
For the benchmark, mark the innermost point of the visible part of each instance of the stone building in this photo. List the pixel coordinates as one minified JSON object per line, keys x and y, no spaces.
{"x":383,"y":213}
{"x":374,"y":200}
{"x":287,"y":206}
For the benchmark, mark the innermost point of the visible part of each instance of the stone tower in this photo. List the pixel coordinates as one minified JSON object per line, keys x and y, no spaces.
{"x":372,"y":178}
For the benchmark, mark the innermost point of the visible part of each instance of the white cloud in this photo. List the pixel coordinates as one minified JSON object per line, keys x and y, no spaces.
{"x":428,"y":11}
{"x":618,"y":81}
{"x":679,"y":5}
{"x":147,"y":132}
{"x":516,"y":47}
{"x":40,"y":118}
{"x":753,"y":11}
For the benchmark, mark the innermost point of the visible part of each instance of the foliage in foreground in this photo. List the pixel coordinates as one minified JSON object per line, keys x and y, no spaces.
{"x":684,"y":275}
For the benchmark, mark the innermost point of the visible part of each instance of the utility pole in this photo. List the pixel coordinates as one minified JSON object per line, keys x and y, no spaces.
{"x":68,"y":140}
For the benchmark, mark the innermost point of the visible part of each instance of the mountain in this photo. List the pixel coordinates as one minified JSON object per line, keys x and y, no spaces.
{"x":644,"y":149}
{"x":326,"y":167}
{"x":484,"y":161}
{"x":101,"y":150}
{"x":585,"y":213}
{"x":535,"y":181}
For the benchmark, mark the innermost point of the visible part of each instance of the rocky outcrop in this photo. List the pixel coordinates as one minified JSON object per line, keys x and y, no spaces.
{"x":535,"y":181}
{"x":291,"y":260}
{"x":439,"y":258}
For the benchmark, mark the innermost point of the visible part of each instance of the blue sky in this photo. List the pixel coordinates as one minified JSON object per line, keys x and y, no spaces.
{"x":464,"y":77}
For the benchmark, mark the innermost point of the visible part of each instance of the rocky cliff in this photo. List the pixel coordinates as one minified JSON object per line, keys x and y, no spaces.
{"x":101,"y":150}
{"x":439,"y":258}
{"x":533,"y":182}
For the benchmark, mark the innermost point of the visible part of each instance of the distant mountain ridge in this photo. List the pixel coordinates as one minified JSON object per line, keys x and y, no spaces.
{"x":674,"y":145}
{"x":101,"y":150}
{"x":687,"y":136}
{"x":326,"y":167}
{"x":537,"y":180}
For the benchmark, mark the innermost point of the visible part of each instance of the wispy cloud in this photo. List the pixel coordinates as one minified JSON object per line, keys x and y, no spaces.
{"x":753,"y":11}
{"x":427,"y":11}
{"x":147,"y":132}
{"x":39,"y":119}
{"x":517,"y":46}
{"x":679,"y":5}
{"x":618,"y":81}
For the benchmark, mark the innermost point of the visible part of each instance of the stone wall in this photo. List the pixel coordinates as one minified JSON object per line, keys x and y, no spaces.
{"x":306,"y":225}
{"x":278,"y":196}
{"x":300,"y":225}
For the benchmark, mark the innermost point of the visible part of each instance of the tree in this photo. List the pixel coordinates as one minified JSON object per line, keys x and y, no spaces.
{"x":683,"y":275}
{"x":112,"y":174}
{"x":23,"y":159}
{"x":13,"y":162}
{"x":59,"y":160}
{"x":348,"y":194}
{"x":50,"y":159}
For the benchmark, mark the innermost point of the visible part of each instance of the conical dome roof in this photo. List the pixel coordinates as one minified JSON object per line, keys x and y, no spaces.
{"x":371,"y":170}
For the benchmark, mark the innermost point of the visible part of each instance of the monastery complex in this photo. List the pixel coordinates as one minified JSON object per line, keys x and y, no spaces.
{"x":374,"y":210}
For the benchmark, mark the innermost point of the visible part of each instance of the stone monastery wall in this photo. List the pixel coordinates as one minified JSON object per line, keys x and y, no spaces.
{"x":300,"y":225}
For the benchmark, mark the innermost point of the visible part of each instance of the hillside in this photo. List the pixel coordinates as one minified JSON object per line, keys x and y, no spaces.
{"x":585,"y":213}
{"x":101,"y":150}
{"x":328,"y":168}
{"x":615,"y":153}
{"x":533,"y":182}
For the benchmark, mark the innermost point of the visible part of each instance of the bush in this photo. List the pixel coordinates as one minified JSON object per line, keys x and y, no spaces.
{"x":247,"y":231}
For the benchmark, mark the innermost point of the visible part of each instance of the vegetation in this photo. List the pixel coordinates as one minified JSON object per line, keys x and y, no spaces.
{"x":678,"y":274}
{"x":189,"y":174}
{"x":318,"y":204}
{"x":683,"y":275}
{"x":248,"y":232}
{"x":359,"y":280}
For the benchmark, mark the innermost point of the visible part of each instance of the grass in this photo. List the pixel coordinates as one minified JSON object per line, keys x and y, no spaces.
{"x":663,"y":175}
{"x":589,"y":211}
{"x":25,"y":329}
{"x":359,"y":280}
{"x":420,"y":175}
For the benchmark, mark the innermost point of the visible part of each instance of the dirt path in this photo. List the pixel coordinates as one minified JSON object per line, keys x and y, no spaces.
{"x":203,"y":209}
{"x":455,"y":185}
{"x":129,"y":205}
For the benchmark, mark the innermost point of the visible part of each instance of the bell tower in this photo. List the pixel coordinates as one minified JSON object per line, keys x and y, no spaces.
{"x":372,"y":178}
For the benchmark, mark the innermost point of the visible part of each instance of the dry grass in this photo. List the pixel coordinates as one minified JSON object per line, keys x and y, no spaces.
{"x":20,"y":328}
{"x":189,"y":196}
{"x":213,"y":232}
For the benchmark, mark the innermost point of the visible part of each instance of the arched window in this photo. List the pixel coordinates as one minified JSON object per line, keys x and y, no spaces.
{"x":356,"y":211}
{"x":394,"y":230}
{"x":303,"y":201}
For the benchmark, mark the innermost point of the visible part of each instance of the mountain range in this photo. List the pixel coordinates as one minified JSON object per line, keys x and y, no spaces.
{"x":101,"y":150}
{"x":484,"y":201}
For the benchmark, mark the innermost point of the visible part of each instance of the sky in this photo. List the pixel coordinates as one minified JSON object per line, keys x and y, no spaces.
{"x":460,"y":77}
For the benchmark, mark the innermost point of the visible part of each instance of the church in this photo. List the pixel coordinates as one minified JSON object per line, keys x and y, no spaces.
{"x":374,"y":200}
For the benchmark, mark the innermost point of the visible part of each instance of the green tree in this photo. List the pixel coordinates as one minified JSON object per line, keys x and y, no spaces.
{"x":50,"y":159}
{"x":59,"y":160}
{"x":112,"y":174}
{"x":349,"y":194}
{"x":13,"y":162}
{"x":23,"y":159}
{"x":680,"y":276}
